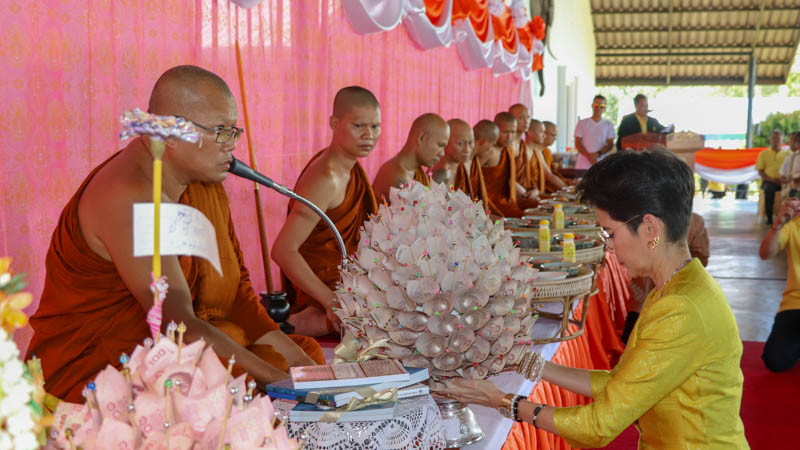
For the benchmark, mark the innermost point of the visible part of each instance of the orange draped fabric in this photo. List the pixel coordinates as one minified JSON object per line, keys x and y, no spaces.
{"x":320,"y":250}
{"x":527,"y":169}
{"x":462,"y":181}
{"x":479,"y":185}
{"x":87,"y":316}
{"x":504,"y":30}
{"x":727,"y":159}
{"x":597,"y":349}
{"x":501,"y":185}
{"x":421,"y":175}
{"x":434,"y":10}
{"x":477,"y":11}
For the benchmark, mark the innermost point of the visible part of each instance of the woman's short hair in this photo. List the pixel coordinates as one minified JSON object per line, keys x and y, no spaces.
{"x":628,"y":185}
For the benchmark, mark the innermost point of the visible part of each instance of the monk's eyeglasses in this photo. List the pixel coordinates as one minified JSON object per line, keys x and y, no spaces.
{"x":607,"y":238}
{"x":223,"y":134}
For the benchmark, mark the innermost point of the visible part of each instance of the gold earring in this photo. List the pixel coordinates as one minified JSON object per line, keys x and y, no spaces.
{"x":653,"y":243}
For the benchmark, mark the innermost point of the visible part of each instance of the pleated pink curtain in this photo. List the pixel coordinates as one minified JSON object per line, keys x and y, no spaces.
{"x":71,"y":67}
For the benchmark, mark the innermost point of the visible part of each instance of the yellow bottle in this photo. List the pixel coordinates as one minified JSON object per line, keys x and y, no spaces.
{"x":544,"y":236}
{"x":568,"y":248}
{"x":558,"y":217}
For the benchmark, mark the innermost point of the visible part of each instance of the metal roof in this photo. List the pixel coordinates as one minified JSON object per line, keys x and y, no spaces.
{"x":694,"y":42}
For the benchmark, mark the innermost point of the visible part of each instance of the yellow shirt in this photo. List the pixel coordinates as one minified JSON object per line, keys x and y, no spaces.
{"x":642,"y":122}
{"x":789,"y":240}
{"x":679,"y":378}
{"x":771,"y":161}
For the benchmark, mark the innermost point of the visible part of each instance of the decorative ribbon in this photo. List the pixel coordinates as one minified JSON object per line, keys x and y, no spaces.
{"x":378,"y":398}
{"x":347,"y":350}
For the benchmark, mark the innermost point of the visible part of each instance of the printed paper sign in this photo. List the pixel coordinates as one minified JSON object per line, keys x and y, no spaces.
{"x":184,"y":231}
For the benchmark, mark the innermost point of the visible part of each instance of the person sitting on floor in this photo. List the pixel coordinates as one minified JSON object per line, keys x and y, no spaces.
{"x":782,"y":349}
{"x":97,"y":294}
{"x":679,"y":379}
{"x":306,"y":249}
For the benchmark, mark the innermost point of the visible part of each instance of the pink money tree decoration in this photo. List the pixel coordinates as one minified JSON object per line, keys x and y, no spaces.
{"x":442,"y":282}
{"x":169,"y":396}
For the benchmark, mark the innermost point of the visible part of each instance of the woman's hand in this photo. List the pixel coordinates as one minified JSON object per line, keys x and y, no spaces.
{"x":476,"y":392}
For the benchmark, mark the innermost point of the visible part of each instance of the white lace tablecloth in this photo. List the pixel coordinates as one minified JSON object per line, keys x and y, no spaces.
{"x":417,"y":425}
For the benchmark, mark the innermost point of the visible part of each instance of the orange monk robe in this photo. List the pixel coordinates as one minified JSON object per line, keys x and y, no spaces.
{"x":501,"y":185}
{"x":462,"y":181}
{"x":530,"y":175}
{"x":320,"y":249}
{"x":548,"y":159}
{"x":87,"y":316}
{"x":479,"y":188}
{"x":421,"y":175}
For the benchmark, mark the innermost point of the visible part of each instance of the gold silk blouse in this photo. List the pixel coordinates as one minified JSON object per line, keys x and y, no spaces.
{"x":679,"y":379}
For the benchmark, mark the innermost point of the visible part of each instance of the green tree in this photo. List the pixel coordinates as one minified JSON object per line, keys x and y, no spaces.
{"x":786,"y":122}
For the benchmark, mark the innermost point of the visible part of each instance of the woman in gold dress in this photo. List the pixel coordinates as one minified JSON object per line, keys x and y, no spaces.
{"x":679,"y":378}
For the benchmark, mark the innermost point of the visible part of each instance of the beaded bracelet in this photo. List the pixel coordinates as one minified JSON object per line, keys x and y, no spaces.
{"x":536,"y":414}
{"x":515,"y":408}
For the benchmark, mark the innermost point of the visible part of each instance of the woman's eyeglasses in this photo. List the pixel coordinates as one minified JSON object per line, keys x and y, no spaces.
{"x":607,"y":238}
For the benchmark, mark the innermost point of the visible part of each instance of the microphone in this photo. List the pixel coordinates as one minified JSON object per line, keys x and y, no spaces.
{"x":242,"y":170}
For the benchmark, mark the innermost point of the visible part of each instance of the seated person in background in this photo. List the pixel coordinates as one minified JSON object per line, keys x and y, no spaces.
{"x":679,"y":379}
{"x":486,"y":135}
{"x":699,"y":247}
{"x":96,"y":294}
{"x":424,"y":147}
{"x":453,"y":169}
{"x":305,"y":248}
{"x":782,"y":349}
{"x":529,"y":171}
{"x":536,"y":137}
{"x":550,"y":134}
{"x":500,"y":173}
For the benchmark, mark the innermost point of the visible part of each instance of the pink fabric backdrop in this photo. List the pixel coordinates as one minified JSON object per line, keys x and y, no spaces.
{"x":71,"y":67}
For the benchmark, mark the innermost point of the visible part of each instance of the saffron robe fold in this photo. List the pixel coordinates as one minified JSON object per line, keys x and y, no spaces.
{"x":462,"y":181}
{"x":530,"y":174}
{"x":421,"y":175}
{"x":320,"y":249}
{"x":87,"y":316}
{"x":479,"y":187}
{"x":501,"y":186}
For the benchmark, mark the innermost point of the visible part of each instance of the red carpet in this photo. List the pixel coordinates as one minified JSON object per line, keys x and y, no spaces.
{"x":770,"y":406}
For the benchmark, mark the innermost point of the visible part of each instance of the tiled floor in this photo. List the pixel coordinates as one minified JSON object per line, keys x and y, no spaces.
{"x":753,"y":287}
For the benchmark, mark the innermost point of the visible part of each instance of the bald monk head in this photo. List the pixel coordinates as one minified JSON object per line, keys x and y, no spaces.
{"x":535,"y":134}
{"x":356,"y":121}
{"x":507,"y":125}
{"x":462,"y":141}
{"x":550,"y":133}
{"x":521,"y":114}
{"x":486,"y":135}
{"x":428,"y":138}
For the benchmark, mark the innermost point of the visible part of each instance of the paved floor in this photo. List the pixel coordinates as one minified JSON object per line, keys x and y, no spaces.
{"x":753,"y":287}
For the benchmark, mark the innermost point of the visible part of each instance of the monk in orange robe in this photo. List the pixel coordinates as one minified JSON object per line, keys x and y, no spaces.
{"x":500,"y":172}
{"x":305,"y":248}
{"x":96,"y":294}
{"x":529,"y":174}
{"x":486,"y":134}
{"x":554,"y":181}
{"x":453,"y":169}
{"x":424,"y":147}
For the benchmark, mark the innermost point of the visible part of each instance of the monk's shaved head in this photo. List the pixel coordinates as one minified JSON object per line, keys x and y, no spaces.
{"x":486,"y":130}
{"x":517,"y":107}
{"x":536,"y":122}
{"x":457,"y":125}
{"x":182,"y":89}
{"x":353,"y":97}
{"x":427,"y":123}
{"x":505,"y":118}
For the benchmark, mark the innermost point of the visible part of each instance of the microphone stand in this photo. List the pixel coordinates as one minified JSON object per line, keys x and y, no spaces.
{"x":279,"y":306}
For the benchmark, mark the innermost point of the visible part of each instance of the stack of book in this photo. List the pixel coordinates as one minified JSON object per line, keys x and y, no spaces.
{"x":322,"y":389}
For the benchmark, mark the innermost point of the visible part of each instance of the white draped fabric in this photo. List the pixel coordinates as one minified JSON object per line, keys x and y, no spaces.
{"x":727,"y":176}
{"x":373,"y":16}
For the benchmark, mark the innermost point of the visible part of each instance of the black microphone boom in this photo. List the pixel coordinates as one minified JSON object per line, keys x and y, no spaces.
{"x":242,"y":170}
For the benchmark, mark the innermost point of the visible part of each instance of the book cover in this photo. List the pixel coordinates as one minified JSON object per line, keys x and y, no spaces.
{"x":348,"y":374}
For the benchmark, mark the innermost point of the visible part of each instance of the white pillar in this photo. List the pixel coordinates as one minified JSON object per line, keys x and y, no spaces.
{"x":562,"y":112}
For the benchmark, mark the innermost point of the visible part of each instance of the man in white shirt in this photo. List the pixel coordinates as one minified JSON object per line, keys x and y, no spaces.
{"x":594,"y":136}
{"x":790,"y":170}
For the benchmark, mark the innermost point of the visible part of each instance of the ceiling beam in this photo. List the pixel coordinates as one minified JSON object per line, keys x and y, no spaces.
{"x":684,"y":81}
{"x":786,"y":46}
{"x":649,"y":29}
{"x":612,"y":12}
{"x":679,"y":63}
